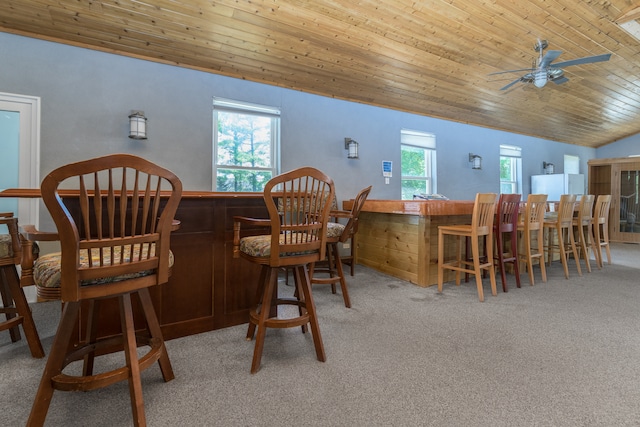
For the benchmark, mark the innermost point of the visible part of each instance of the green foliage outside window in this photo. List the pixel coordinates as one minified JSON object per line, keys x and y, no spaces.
{"x":244,"y":151}
{"x":415,"y":166}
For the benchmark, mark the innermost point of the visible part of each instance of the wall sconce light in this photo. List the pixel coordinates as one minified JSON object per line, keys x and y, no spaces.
{"x":548,"y":168}
{"x":475,"y":160}
{"x":352,"y":146}
{"x":137,"y":125}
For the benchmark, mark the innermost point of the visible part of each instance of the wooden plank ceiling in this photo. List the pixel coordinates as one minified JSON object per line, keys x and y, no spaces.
{"x":429,"y":57}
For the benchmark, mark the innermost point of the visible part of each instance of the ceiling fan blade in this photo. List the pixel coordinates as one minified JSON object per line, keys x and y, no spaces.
{"x":510,"y":71}
{"x":510,"y":84}
{"x":586,"y":60}
{"x":549,"y":57}
{"x":560,"y":80}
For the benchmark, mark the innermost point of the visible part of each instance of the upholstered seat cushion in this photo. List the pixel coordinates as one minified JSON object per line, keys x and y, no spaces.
{"x":6,"y":247}
{"x":6,"y":250}
{"x":260,"y":246}
{"x":334,"y":230}
{"x":46,"y":270}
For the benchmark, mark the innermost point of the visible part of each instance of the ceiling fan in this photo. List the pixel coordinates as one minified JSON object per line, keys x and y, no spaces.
{"x":542,"y":72}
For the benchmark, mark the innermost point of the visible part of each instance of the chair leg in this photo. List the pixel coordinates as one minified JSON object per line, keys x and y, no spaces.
{"x":597,"y":249}
{"x":583,"y":247}
{"x":251,"y":330}
{"x":340,"y":269}
{"x":55,"y":363}
{"x":8,"y":304}
{"x":514,"y":255}
{"x":156,"y":332}
{"x":574,"y":251}
{"x":476,"y":267}
{"x":263,"y":315}
{"x":311,"y":310}
{"x":529,"y":261}
{"x":91,"y":336}
{"x":563,"y":254}
{"x":543,"y":268}
{"x":10,"y":277}
{"x":500,"y":249}
{"x":488,"y":244}
{"x":131,"y":356}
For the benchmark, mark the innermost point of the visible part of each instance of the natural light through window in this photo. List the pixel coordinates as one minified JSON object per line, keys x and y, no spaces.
{"x":245,"y":145}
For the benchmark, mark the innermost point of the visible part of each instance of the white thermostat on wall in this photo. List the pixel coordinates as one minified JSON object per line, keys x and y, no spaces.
{"x":387,"y":166}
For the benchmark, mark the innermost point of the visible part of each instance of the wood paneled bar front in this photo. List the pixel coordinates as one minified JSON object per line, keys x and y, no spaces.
{"x":400,"y":237}
{"x":208,"y":289}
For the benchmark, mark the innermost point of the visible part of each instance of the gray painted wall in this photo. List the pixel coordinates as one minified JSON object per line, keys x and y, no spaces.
{"x":87,"y":96}
{"x":625,"y":147}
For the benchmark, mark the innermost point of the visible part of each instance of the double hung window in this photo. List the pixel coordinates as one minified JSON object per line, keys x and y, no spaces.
{"x":510,"y":169}
{"x":246,"y":141}
{"x":418,"y":163}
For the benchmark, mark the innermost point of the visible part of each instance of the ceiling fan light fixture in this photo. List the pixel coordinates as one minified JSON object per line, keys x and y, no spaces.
{"x":540,"y":78}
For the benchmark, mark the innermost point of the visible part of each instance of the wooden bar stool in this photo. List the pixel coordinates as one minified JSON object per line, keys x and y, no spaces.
{"x":583,"y":229}
{"x":601,"y":227}
{"x":532,"y":236}
{"x":336,"y":233}
{"x":298,"y":203}
{"x":481,"y":226}
{"x":15,"y":308}
{"x":562,"y":224}
{"x":506,"y":225}
{"x":114,"y":248}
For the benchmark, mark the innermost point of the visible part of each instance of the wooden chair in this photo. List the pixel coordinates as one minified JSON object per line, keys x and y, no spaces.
{"x":298,"y":203}
{"x":15,"y":308}
{"x":114,"y":247}
{"x":532,"y":236}
{"x":562,"y":224}
{"x":601,"y":227}
{"x":506,"y":225}
{"x":339,"y":233}
{"x":583,"y":229}
{"x":481,"y":225}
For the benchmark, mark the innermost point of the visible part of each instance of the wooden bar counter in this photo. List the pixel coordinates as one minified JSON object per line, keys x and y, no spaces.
{"x":400,"y":237}
{"x":208,"y":288}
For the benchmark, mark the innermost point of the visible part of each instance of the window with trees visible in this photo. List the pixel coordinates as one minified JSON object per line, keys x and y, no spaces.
{"x":418,"y":163}
{"x":246,"y":141}
{"x":510,"y":169}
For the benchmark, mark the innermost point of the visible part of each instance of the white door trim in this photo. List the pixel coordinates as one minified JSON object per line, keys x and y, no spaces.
{"x":29,"y":168}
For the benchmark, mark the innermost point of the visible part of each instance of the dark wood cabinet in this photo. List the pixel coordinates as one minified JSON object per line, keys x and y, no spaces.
{"x":209,"y":289}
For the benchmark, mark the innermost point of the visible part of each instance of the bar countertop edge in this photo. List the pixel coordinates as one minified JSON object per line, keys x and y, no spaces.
{"x":416,"y":207}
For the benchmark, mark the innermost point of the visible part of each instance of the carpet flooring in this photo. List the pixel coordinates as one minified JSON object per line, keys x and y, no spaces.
{"x":561,"y":353}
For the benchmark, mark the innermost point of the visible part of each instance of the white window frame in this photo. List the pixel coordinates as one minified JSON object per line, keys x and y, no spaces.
{"x":514,"y":154}
{"x":240,"y":107}
{"x":427,"y":142}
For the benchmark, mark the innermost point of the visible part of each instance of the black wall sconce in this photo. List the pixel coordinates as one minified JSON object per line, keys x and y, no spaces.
{"x":352,"y":147}
{"x":475,"y":160}
{"x":548,"y":168}
{"x":137,"y":125}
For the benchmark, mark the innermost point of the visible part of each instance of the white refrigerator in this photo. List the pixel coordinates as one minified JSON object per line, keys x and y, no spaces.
{"x":556,"y":184}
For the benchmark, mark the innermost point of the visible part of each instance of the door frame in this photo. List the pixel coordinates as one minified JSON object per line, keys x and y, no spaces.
{"x":29,"y":153}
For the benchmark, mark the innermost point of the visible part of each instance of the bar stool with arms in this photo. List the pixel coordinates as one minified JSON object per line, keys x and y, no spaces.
{"x":337,"y":232}
{"x":506,"y":225}
{"x":481,"y":225}
{"x":562,"y":224}
{"x":583,"y":229}
{"x":601,"y":227}
{"x":115,"y":247}
{"x":298,"y":238}
{"x":14,"y":303}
